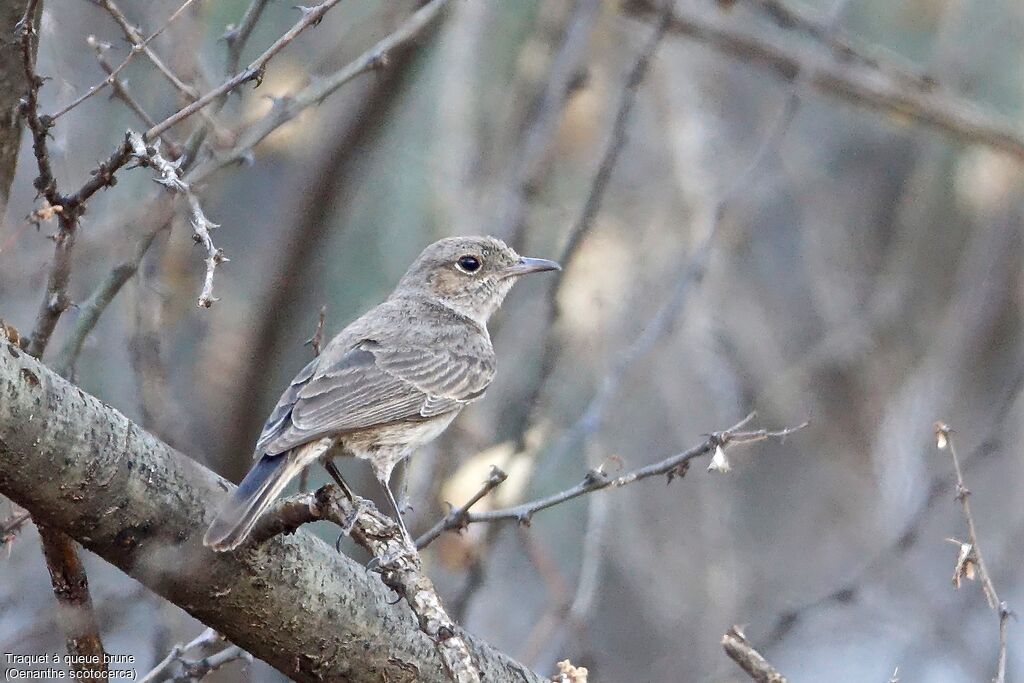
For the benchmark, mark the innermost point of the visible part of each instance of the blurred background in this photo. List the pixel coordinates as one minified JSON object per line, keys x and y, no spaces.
{"x":759,"y":245}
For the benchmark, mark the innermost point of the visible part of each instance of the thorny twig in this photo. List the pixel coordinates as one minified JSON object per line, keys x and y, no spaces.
{"x":970,"y":555}
{"x":750,"y":660}
{"x":195,"y":669}
{"x":287,"y":108}
{"x":67,"y":208}
{"x":136,"y":49}
{"x":398,"y":563}
{"x":120,"y":90}
{"x":237,"y":36}
{"x":170,"y":177}
{"x":458,"y":517}
{"x":311,"y":16}
{"x":108,"y":289}
{"x":596,"y":479}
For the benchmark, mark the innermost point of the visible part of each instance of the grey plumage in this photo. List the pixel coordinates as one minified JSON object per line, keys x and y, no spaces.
{"x":391,"y":381}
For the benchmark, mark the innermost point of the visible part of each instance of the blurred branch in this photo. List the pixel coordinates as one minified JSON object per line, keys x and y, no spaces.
{"x":109,"y":80}
{"x":90,"y":311}
{"x":596,"y":479}
{"x":528,"y":164}
{"x":397,"y":562}
{"x":856,"y":83}
{"x":750,"y":660}
{"x":237,"y":36}
{"x":195,"y":669}
{"x":938,"y":489}
{"x":74,"y":604}
{"x":844,"y":48}
{"x":971,"y":551}
{"x":61,"y":468}
{"x":591,"y":207}
{"x":140,"y":44}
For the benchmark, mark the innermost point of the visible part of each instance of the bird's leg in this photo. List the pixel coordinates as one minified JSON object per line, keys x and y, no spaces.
{"x":398,"y":510}
{"x":332,"y":469}
{"x":403,"y":495}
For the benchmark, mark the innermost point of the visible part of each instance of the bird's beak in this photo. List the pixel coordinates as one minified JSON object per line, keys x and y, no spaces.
{"x":529,"y":265}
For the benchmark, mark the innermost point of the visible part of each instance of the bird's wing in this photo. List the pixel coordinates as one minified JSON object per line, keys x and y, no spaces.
{"x":373,"y":385}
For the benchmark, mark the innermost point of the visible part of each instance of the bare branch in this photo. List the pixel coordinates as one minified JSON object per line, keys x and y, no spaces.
{"x":121,"y":92}
{"x":254,"y":72}
{"x":750,"y":660}
{"x":237,"y":36}
{"x":170,"y":177}
{"x":970,"y":553}
{"x":196,"y":669}
{"x":528,"y":164}
{"x":10,"y":527}
{"x":140,"y":44}
{"x":596,"y":479}
{"x":855,"y":83}
{"x":287,"y":108}
{"x":159,"y":214}
{"x":844,"y":48}
{"x":458,"y":518}
{"x":909,"y":535}
{"x":136,"y":49}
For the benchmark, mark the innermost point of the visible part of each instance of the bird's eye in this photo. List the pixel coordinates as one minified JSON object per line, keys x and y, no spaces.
{"x":468,"y":264}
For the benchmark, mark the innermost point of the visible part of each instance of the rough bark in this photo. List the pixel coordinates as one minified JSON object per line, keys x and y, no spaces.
{"x":81,"y":466}
{"x":12,"y":88}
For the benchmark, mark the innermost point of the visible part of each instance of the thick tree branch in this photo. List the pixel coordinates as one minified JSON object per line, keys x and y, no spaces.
{"x":79,"y":465}
{"x":396,"y":561}
{"x":13,"y":85}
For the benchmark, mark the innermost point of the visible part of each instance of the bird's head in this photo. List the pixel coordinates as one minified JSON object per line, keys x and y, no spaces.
{"x":471,"y":275}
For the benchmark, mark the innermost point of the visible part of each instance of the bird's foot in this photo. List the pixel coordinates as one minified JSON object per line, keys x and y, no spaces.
{"x":349,"y":522}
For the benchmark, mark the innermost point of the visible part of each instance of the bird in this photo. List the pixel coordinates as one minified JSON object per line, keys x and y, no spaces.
{"x":389,"y":382}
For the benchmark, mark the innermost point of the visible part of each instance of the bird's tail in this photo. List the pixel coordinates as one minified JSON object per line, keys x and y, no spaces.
{"x":261,"y":486}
